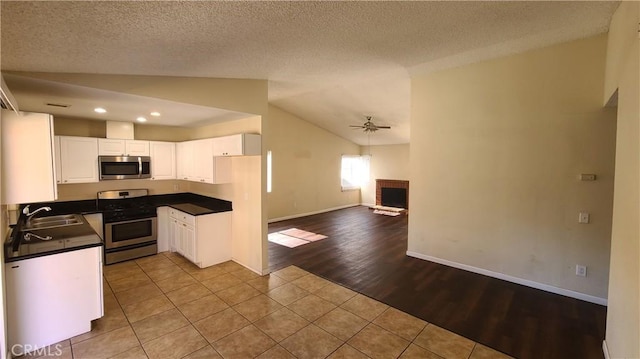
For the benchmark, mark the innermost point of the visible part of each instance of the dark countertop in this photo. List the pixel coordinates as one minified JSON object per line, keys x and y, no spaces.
{"x":70,"y":238}
{"x":32,"y":243}
{"x":214,"y":205}
{"x":192,"y":209}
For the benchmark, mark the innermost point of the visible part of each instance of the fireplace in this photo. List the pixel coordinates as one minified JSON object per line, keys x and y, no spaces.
{"x":392,"y":193}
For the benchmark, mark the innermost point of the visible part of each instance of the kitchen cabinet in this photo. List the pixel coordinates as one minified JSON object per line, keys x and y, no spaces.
{"x":204,"y":240}
{"x":184,"y":160}
{"x":119,"y":147}
{"x":163,"y":160}
{"x":195,"y":162}
{"x":202,"y":163}
{"x":53,"y":297}
{"x":28,"y":171}
{"x":163,"y":229}
{"x":244,"y":144}
{"x":78,"y":159}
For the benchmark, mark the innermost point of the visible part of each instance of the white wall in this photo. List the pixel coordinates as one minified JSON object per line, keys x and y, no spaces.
{"x":496,"y":149}
{"x":387,"y":162}
{"x":623,"y":312}
{"x":306,"y":167}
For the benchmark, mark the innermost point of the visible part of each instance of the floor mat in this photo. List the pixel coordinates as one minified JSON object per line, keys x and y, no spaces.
{"x":294,"y":237}
{"x":386,"y":213}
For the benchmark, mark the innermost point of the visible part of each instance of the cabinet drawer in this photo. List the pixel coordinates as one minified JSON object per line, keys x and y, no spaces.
{"x":182,"y":217}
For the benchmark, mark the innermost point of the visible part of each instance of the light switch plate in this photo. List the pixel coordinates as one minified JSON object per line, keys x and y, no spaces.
{"x":583,"y":217}
{"x":587,"y":177}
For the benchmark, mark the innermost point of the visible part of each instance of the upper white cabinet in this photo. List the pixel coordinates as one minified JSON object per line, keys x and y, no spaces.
{"x":202,"y":163}
{"x":195,"y":162}
{"x":78,"y":159}
{"x":28,"y":172}
{"x":244,"y":144}
{"x":163,"y":160}
{"x":118,"y":147}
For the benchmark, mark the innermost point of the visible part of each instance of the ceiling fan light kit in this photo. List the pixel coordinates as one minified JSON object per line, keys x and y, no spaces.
{"x":369,"y":126}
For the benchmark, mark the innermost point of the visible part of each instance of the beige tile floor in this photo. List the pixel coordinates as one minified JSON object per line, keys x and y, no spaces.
{"x":165,"y":307}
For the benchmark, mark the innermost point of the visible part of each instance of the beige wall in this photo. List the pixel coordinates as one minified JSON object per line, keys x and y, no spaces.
{"x":496,"y":150}
{"x":387,"y":162}
{"x":623,"y":312}
{"x":306,"y":167}
{"x":93,"y":128}
{"x":241,"y":95}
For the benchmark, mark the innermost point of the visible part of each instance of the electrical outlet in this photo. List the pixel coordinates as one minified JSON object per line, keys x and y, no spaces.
{"x":176,"y":187}
{"x":581,"y":271}
{"x":583,"y":217}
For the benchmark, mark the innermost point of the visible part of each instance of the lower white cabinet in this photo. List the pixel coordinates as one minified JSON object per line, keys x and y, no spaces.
{"x":52,"y":298}
{"x":204,"y":240}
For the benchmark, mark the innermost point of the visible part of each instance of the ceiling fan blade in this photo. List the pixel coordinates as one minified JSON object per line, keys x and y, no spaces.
{"x":383,"y":126}
{"x":356,"y":126}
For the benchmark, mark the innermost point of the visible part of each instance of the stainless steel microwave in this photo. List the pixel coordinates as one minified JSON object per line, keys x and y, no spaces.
{"x":124,"y":167}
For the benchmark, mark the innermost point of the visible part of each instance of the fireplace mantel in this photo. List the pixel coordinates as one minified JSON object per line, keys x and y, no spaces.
{"x":389,"y":183}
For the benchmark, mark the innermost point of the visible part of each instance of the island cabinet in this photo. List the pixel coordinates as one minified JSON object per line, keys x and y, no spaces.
{"x":204,"y":240}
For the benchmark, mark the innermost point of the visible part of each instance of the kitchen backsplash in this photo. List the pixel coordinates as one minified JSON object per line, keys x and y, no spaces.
{"x":80,"y":191}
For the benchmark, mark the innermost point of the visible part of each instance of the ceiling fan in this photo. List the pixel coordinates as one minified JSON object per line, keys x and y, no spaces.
{"x":370,"y":126}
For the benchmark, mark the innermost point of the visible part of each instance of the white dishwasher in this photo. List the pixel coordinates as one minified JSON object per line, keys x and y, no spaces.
{"x":52,"y":297}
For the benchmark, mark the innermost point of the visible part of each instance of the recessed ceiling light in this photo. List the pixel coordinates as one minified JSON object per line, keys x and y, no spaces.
{"x":100,"y":110}
{"x":155,"y":113}
{"x":141,"y":119}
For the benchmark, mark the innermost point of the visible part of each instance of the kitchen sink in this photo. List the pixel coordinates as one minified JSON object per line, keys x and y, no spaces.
{"x":54,"y":221}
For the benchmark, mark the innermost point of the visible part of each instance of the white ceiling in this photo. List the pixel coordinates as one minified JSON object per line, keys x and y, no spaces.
{"x":330,"y":63}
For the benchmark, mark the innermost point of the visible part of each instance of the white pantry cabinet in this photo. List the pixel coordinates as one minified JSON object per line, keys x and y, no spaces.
{"x":78,"y":159}
{"x":243,"y":144}
{"x":28,"y":169}
{"x":53,"y":297}
{"x":118,"y":147}
{"x":163,"y":160}
{"x":204,"y":240}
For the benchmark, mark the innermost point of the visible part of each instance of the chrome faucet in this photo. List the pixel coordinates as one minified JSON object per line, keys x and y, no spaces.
{"x":29,"y":215}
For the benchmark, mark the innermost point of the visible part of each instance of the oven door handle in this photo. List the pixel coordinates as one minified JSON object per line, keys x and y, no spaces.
{"x":139,"y":167}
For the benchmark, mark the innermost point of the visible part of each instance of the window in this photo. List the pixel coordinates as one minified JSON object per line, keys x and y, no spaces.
{"x":354,"y":172}
{"x":269,"y":172}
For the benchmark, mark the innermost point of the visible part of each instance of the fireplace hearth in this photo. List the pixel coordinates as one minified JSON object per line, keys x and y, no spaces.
{"x":392,"y":193}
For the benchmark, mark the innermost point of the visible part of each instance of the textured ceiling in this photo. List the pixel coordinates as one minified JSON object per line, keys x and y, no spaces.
{"x":330,"y":63}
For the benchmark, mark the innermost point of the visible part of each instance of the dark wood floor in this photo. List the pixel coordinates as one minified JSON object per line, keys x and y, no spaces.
{"x":367,"y":253}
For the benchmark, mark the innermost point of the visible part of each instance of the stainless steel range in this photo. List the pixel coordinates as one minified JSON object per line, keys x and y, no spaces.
{"x":129,"y":224}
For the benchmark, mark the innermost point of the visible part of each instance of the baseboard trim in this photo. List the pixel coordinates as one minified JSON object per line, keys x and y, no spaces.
{"x":508,"y":278}
{"x":311,"y":213}
{"x":605,"y":350}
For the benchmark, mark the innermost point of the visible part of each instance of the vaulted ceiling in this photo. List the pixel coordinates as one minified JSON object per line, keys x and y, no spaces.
{"x":330,"y":63}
